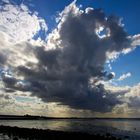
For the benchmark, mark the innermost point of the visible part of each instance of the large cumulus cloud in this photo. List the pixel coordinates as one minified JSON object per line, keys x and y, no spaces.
{"x":70,"y":67}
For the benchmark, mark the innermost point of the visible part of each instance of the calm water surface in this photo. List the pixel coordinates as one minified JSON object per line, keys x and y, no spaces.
{"x":77,"y":125}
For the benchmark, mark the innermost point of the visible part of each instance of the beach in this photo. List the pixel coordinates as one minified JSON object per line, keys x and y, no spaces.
{"x":16,"y":133}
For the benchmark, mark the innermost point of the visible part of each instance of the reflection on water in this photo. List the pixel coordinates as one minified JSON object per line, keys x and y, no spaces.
{"x":75,"y":125}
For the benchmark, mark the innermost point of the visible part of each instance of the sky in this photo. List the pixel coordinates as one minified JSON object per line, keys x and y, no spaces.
{"x":70,"y":58}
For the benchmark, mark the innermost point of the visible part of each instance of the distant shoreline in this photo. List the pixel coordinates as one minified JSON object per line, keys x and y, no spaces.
{"x":29,"y":117}
{"x":40,"y":134}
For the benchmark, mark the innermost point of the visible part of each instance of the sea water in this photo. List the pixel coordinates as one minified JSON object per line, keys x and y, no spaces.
{"x":102,"y":126}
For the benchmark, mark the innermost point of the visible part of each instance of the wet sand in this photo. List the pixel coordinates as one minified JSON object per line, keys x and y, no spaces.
{"x":16,"y":133}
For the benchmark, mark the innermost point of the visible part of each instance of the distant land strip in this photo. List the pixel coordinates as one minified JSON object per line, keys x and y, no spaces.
{"x":30,"y":117}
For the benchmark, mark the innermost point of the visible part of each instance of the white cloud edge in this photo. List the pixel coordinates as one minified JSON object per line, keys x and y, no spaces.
{"x":124,"y":76}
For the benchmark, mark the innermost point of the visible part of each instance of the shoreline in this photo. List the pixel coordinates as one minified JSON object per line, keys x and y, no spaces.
{"x":15,"y":133}
{"x":31,"y":117}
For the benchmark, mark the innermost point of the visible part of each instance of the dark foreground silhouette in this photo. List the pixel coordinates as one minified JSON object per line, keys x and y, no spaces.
{"x":38,"y":134}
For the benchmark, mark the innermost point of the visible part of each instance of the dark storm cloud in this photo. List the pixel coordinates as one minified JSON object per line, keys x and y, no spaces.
{"x":110,"y":75}
{"x":3,"y":59}
{"x":12,"y":84}
{"x":134,"y":102}
{"x":8,"y":80}
{"x":70,"y":73}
